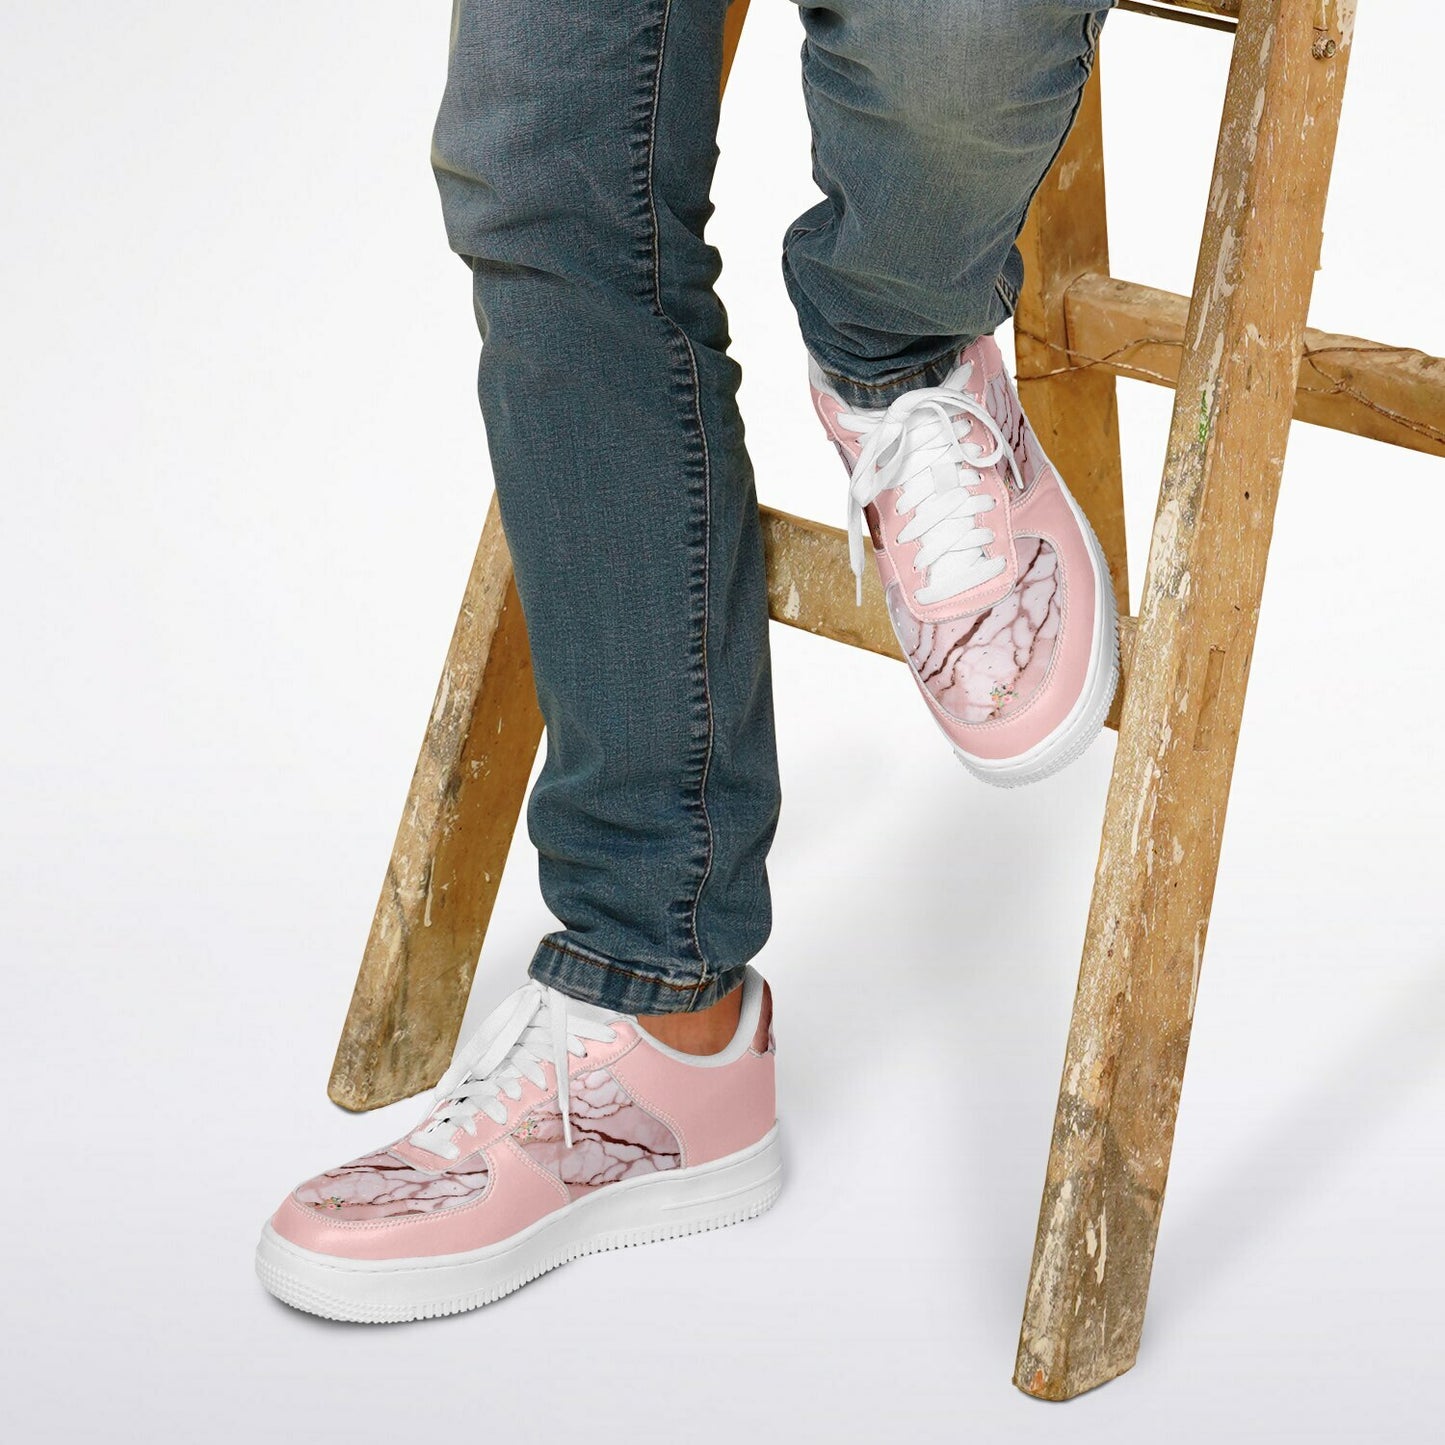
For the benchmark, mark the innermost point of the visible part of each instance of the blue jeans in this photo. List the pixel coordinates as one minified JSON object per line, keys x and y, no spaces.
{"x":574,"y":152}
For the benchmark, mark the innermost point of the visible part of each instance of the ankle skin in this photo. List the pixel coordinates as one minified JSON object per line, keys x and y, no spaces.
{"x":708,"y":1031}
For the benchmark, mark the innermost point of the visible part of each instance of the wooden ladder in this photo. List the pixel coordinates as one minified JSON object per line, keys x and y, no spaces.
{"x":1233,"y":353}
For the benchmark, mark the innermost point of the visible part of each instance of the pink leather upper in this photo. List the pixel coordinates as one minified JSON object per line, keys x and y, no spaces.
{"x":1001,"y":665}
{"x":634,"y":1111}
{"x":520,"y":1193}
{"x":713,"y":1111}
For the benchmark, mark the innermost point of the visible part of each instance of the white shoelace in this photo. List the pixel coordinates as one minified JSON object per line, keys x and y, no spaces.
{"x":533,"y":1027}
{"x":915,"y":446}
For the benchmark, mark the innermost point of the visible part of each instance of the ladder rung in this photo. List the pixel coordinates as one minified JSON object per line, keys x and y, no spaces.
{"x":810,"y":584}
{"x":1391,"y":393}
{"x":1211,"y":14}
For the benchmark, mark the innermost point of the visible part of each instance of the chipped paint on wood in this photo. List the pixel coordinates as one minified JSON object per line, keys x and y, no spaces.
{"x":460,"y":815}
{"x":1144,"y":945}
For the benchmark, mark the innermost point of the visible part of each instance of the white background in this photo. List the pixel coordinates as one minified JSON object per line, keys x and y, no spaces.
{"x":243,"y":478}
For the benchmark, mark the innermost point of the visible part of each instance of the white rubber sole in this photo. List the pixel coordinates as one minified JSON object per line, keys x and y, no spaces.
{"x":1085,"y":721}
{"x":667,"y":1205}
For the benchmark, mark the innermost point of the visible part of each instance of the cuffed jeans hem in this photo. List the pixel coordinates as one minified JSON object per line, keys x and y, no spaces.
{"x":875,"y":395}
{"x":592,"y":978}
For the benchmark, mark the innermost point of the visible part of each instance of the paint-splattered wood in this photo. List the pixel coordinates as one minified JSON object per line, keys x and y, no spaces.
{"x":810,"y":585}
{"x":446,"y":865}
{"x":1391,"y":393}
{"x":1124,"y":1064}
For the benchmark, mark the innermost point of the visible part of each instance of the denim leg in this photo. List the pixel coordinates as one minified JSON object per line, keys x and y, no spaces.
{"x":933,"y":126}
{"x":574,"y":152}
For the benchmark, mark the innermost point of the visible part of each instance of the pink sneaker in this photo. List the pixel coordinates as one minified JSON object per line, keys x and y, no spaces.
{"x":503,"y":1181}
{"x":996,"y":585}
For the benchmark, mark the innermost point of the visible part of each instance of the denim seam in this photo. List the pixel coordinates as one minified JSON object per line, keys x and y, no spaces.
{"x":597,"y":961}
{"x":693,"y":381}
{"x":1093,"y":27}
{"x":907,"y":376}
